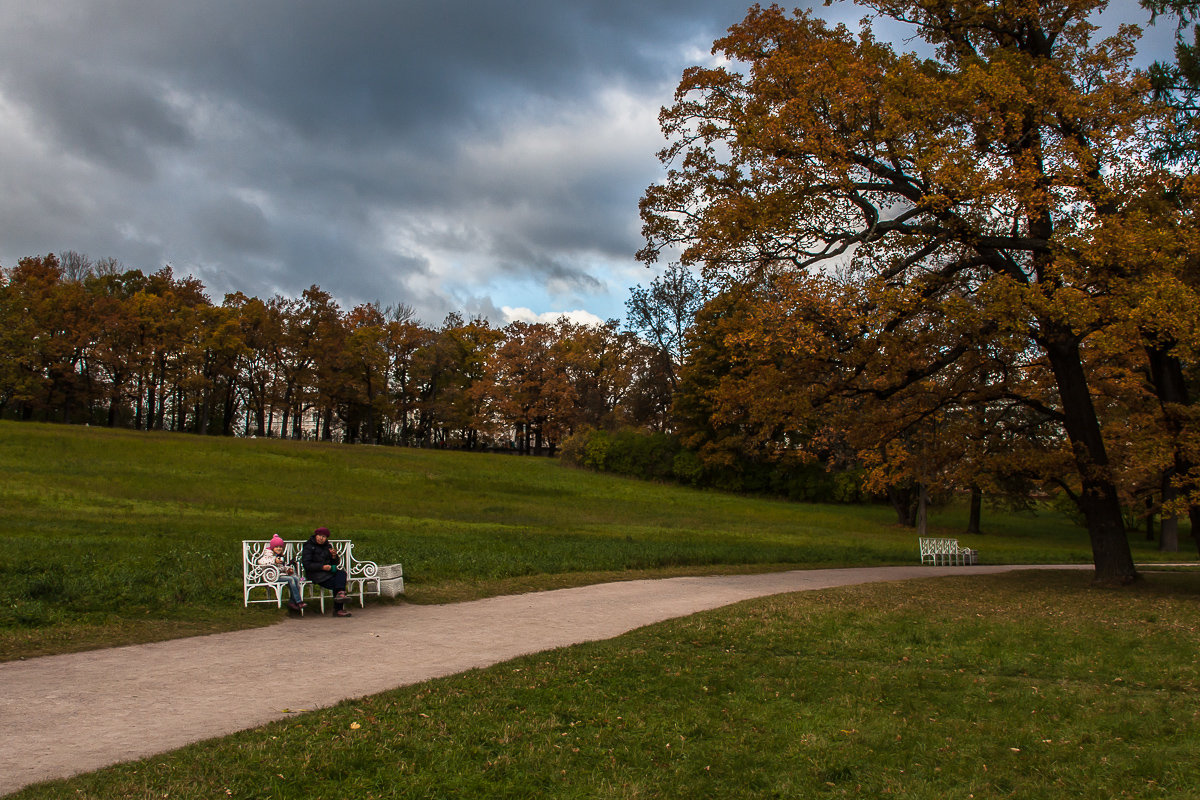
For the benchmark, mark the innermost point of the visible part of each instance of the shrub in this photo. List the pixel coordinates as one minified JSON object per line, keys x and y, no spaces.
{"x":661,"y":456}
{"x":642,"y":455}
{"x":571,"y":449}
{"x":586,"y":448}
{"x":595,"y":452}
{"x":848,"y":487}
{"x":687,"y":468}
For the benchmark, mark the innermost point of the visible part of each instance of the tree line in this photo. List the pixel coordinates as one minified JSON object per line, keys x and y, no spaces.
{"x":84,"y":342}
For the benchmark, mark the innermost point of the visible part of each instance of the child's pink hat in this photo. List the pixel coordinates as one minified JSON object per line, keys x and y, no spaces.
{"x":276,"y":541}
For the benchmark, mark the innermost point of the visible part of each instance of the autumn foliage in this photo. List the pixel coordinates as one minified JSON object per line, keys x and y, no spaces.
{"x":153,"y":352}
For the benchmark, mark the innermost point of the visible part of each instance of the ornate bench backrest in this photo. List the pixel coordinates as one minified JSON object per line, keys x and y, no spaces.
{"x":932,"y":549}
{"x":256,"y":575}
{"x":929,"y":546}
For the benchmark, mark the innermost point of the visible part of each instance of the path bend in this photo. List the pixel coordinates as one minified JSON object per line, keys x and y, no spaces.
{"x":67,"y":714}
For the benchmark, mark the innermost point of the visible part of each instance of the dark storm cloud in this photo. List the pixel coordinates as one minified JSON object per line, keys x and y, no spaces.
{"x":113,"y":119}
{"x":450,"y":155}
{"x":347,"y":72}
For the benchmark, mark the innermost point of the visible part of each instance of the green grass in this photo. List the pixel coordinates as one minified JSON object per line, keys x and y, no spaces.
{"x":120,"y":536}
{"x":1026,"y":685}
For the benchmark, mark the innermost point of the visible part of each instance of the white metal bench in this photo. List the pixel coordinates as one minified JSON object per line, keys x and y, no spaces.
{"x":946,"y":552}
{"x":362,"y":576}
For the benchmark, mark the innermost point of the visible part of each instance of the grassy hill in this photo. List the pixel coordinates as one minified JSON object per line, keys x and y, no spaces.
{"x":1019,"y":685}
{"x":124,"y":536}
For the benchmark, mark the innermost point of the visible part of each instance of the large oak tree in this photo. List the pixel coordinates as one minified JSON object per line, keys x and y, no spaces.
{"x":994,"y":178}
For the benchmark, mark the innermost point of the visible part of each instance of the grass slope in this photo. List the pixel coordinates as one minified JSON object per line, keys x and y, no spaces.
{"x":119,"y":536}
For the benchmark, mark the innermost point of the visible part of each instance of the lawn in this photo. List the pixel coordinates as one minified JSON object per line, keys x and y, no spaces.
{"x":1024,"y":685}
{"x":120,"y":536}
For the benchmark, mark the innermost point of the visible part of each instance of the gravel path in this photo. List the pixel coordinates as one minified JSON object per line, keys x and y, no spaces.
{"x":67,"y":714}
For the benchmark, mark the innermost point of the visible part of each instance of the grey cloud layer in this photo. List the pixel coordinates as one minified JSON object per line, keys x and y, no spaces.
{"x":387,"y":150}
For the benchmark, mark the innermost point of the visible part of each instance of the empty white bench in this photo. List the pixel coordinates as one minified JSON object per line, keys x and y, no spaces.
{"x":946,"y":552}
{"x":362,"y":577}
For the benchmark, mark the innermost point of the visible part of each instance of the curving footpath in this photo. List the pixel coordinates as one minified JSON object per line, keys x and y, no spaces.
{"x":63,"y":715}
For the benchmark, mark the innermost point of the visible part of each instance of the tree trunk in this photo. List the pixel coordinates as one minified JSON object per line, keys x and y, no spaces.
{"x":1194,"y":519}
{"x":161,"y":418}
{"x":1149,"y":519}
{"x":1169,"y":538}
{"x":114,"y":401}
{"x":151,"y":405}
{"x":230,"y":407}
{"x":976,"y":512}
{"x":1169,"y":535}
{"x":137,"y":410}
{"x":1098,"y":495}
{"x":68,"y":396}
{"x":903,"y":501}
{"x":1166,"y":373}
{"x":204,"y":410}
{"x":922,"y":510}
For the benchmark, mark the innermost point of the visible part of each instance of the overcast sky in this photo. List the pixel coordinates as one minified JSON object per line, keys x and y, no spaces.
{"x":476,"y":156}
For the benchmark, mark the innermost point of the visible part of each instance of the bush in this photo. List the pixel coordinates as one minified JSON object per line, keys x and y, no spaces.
{"x":661,"y":456}
{"x":572,"y":448}
{"x":586,"y":448}
{"x":687,"y":468}
{"x":642,"y":455}
{"x":848,"y":487}
{"x":595,"y":452}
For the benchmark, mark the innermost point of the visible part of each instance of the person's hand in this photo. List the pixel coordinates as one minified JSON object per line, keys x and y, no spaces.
{"x":327,"y":568}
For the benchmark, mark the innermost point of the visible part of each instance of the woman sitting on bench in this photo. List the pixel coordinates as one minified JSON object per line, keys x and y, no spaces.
{"x":320,"y":561}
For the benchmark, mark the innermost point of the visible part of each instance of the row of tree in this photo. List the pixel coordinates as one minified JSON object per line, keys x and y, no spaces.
{"x":87,"y":343}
